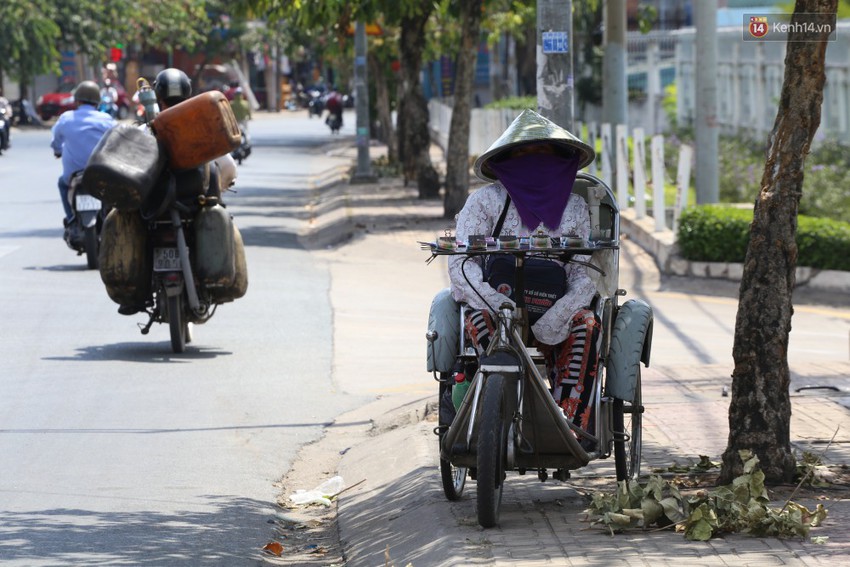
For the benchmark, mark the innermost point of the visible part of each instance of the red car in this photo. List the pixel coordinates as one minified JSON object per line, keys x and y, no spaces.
{"x":53,"y":104}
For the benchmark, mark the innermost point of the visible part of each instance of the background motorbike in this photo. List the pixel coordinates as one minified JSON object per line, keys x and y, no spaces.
{"x":108,"y":105}
{"x":5,"y":127}
{"x":316,"y":103}
{"x":244,"y":149}
{"x":334,"y":122}
{"x":83,"y":232}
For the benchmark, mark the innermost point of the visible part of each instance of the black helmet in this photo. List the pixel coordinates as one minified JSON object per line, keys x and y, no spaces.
{"x":87,"y":92}
{"x":172,"y":86}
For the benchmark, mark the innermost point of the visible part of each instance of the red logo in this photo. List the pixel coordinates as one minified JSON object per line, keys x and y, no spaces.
{"x":758,"y":26}
{"x":504,"y":289}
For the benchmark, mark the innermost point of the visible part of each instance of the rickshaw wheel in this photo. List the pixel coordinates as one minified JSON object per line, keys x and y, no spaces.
{"x":628,"y":420}
{"x":492,"y":437}
{"x":453,"y":478}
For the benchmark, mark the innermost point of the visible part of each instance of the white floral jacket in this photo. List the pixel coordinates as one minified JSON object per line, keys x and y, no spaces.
{"x":479,"y":216}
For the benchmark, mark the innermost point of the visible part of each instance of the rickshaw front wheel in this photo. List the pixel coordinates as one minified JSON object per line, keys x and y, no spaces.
{"x":492,"y":438}
{"x":628,"y":421}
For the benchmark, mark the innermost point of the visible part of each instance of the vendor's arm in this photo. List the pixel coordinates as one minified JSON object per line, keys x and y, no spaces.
{"x":478,"y":216}
{"x":554,"y":326}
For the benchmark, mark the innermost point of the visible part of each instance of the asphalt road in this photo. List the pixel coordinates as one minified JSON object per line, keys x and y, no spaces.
{"x":114,"y":450}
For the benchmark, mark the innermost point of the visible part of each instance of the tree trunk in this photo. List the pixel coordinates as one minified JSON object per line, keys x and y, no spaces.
{"x":457,"y":156}
{"x":760,"y":409}
{"x":386,"y":132}
{"x":414,"y":140}
{"x":526,"y":55}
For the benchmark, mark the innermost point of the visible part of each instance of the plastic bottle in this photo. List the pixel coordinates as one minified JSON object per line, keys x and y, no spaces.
{"x":459,"y":389}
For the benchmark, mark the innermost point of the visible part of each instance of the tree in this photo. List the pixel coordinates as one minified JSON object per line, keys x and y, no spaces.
{"x":29,"y":36}
{"x":760,"y":409}
{"x":414,"y":139}
{"x":411,"y":16}
{"x":457,"y":154}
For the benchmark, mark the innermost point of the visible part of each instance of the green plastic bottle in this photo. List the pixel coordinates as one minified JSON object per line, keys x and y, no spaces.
{"x":459,"y":389}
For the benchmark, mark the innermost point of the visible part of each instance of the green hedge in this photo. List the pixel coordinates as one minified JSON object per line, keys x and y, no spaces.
{"x":717,"y":233}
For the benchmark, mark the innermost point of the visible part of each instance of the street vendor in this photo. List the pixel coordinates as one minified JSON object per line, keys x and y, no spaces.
{"x":531,"y":168}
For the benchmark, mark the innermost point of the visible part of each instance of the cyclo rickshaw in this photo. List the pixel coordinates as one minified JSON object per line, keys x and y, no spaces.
{"x":508,"y":419}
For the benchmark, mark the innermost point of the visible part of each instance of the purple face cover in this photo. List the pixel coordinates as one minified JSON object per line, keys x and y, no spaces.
{"x":539,"y":186}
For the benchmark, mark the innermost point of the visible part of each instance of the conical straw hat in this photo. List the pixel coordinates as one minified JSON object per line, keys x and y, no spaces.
{"x":531,"y":127}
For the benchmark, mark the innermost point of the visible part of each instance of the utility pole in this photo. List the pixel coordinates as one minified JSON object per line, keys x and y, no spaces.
{"x":363,"y":173}
{"x":707,"y":129}
{"x":614,"y":84}
{"x":555,"y":84}
{"x":615,"y":95}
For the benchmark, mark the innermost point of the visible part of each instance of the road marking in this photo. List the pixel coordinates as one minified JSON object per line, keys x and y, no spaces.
{"x":7,"y":250}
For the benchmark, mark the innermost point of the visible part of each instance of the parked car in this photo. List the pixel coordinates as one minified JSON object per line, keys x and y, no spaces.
{"x":53,"y":104}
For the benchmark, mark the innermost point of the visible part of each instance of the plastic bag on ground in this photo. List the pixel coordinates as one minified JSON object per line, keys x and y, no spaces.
{"x":321,"y":494}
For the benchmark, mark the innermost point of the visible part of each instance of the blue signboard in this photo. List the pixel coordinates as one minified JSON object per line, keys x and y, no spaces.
{"x":555,"y":42}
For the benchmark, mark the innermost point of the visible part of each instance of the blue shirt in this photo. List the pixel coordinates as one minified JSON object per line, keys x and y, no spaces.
{"x":75,"y":135}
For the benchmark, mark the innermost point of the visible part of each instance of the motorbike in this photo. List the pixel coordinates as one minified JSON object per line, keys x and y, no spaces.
{"x":177,"y":258}
{"x":171,"y":249}
{"x":193,"y":246}
{"x":82,"y":234}
{"x":107,"y":104}
{"x":244,"y":150}
{"x":316,"y":103}
{"x":334,"y":122}
{"x":5,"y":127}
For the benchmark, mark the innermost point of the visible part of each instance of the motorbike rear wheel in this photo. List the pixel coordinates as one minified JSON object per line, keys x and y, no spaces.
{"x":91,"y":246}
{"x":176,"y":323}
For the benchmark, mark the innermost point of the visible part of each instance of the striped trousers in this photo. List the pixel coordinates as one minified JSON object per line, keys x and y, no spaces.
{"x":571,"y":365}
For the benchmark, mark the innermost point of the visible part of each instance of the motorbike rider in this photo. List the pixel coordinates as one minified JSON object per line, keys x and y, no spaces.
{"x":75,"y":135}
{"x":173,"y":86}
{"x":241,"y":110}
{"x":531,"y":168}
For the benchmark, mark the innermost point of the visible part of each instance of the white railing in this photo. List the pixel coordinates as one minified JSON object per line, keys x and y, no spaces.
{"x":749,"y":82}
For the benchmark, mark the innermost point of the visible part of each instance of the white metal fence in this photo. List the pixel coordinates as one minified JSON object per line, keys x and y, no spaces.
{"x":749,"y":82}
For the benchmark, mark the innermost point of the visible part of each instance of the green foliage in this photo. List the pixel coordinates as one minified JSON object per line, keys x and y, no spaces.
{"x":514,"y":102}
{"x":383,"y":167}
{"x":826,"y":178}
{"x":33,"y":31}
{"x":508,"y":16}
{"x":28,"y":39}
{"x":647,"y":17}
{"x":740,"y":507}
{"x":720,"y":233}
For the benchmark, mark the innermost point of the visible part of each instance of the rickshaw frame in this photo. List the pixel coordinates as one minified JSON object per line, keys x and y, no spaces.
{"x":508,"y":419}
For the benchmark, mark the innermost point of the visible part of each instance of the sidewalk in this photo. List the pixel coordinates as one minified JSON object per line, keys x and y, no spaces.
{"x":394,"y":512}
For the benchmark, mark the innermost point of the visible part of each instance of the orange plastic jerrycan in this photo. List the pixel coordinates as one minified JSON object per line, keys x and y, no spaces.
{"x":197,"y":130}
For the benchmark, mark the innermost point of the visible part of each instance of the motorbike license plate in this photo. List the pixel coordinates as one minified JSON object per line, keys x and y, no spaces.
{"x":166,"y":260}
{"x":87,"y":203}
